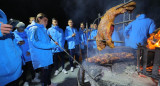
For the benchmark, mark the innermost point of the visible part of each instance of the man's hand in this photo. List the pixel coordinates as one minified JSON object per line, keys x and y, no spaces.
{"x":28,"y":53}
{"x":73,"y":34}
{"x":5,"y":28}
{"x":56,"y":43}
{"x":95,"y":37}
{"x":21,"y":42}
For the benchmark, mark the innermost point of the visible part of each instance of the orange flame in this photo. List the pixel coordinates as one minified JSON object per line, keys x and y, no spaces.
{"x":153,"y":41}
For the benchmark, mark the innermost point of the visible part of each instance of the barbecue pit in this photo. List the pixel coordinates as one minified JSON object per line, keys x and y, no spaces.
{"x":121,"y":72}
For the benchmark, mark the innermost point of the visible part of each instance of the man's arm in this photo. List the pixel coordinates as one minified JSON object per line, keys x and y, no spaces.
{"x":67,"y":36}
{"x":38,"y":43}
{"x":127,"y":29}
{"x":152,"y":27}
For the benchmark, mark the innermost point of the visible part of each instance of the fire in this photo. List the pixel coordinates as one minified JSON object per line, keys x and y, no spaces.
{"x":153,"y":41}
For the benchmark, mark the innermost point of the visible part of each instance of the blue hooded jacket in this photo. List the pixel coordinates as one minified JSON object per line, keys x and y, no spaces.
{"x":57,"y":35}
{"x":10,"y":59}
{"x":83,"y":38}
{"x":30,"y":25}
{"x":117,"y":35}
{"x":25,"y":46}
{"x":40,"y":46}
{"x":138,"y":30}
{"x":72,"y":41}
{"x":93,"y":34}
{"x":89,"y":37}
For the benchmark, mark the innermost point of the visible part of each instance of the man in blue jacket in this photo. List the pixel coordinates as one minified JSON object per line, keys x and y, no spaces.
{"x":10,"y":57}
{"x":57,"y":35}
{"x":83,"y":41}
{"x":26,"y":58}
{"x":72,"y":37}
{"x":138,"y":31}
{"x":41,"y":48}
{"x":31,"y":19}
{"x":93,"y":49}
{"x":117,"y":35}
{"x":89,"y":37}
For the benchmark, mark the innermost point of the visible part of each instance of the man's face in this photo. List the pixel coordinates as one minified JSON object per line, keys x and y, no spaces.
{"x":20,"y":29}
{"x":95,"y":26}
{"x":31,"y":19}
{"x":70,"y":23}
{"x":82,"y":26}
{"x":54,"y":22}
{"x":91,"y":25}
{"x":44,"y":21}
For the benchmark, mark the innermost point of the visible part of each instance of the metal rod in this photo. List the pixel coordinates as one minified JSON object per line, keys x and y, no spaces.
{"x":156,"y":63}
{"x":87,"y":38}
{"x":83,"y":75}
{"x":124,"y":17}
{"x":87,"y":57}
{"x":139,"y":55}
{"x":72,"y":58}
{"x":105,"y":40}
{"x":124,"y":4}
{"x":99,"y":16}
{"x":145,"y":57}
{"x":123,"y":22}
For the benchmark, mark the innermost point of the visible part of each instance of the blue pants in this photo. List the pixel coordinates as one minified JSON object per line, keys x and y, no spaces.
{"x":56,"y":57}
{"x":84,"y":52}
{"x":28,"y":69}
{"x":74,"y":52}
{"x":46,"y":75}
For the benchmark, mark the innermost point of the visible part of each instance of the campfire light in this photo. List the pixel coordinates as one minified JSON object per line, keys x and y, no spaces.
{"x":153,"y":41}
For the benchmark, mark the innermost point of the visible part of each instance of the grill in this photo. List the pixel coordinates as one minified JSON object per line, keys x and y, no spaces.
{"x":148,"y":58}
{"x":121,"y":72}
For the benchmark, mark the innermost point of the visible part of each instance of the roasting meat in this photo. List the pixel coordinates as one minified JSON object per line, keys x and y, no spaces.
{"x":106,"y":25}
{"x":109,"y":57}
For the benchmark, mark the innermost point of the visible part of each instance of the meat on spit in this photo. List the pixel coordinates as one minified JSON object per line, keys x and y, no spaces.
{"x":109,"y":57}
{"x":106,"y":25}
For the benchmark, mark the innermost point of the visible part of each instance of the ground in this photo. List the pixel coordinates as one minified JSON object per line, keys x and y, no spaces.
{"x":62,"y":79}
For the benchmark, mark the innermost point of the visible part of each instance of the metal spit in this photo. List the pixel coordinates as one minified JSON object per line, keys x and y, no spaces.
{"x":87,"y":30}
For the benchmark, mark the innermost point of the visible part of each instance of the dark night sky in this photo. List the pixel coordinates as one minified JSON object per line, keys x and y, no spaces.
{"x":78,"y":10}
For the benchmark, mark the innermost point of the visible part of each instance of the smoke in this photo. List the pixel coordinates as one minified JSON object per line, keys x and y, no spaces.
{"x":87,"y":10}
{"x":150,"y":8}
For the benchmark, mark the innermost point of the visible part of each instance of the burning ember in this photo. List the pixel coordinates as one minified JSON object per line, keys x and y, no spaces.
{"x":109,"y":57}
{"x":153,"y":41}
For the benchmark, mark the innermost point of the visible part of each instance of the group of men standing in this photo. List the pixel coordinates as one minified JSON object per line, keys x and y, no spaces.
{"x":36,"y":48}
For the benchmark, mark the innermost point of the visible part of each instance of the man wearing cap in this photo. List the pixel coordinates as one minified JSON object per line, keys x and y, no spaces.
{"x":26,"y":58}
